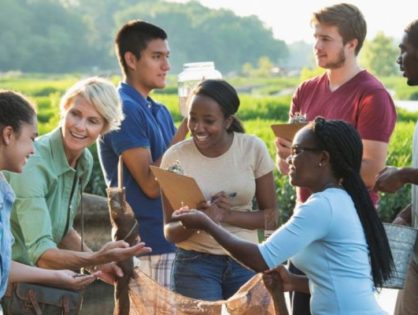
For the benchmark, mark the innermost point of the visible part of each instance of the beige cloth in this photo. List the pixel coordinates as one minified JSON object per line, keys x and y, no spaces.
{"x":235,"y":171}
{"x":149,"y":298}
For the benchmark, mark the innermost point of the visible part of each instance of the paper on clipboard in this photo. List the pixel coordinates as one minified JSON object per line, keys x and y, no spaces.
{"x":287,"y":131}
{"x":180,"y":190}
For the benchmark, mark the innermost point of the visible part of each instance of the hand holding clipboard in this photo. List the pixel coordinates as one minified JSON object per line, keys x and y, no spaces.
{"x":180,"y":190}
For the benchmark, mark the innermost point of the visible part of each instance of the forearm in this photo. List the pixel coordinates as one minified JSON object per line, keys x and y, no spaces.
{"x":25,"y":273}
{"x":245,"y":252}
{"x":56,"y":258}
{"x":300,"y":283}
{"x":138,"y":160}
{"x":369,"y":170}
{"x":181,"y":133}
{"x":283,"y":167}
{"x":409,"y":175}
{"x":250,"y":220}
{"x":174,"y":232}
{"x":72,"y":241}
{"x":373,"y":161}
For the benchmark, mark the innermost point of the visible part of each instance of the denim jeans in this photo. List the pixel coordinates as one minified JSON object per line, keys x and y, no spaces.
{"x":206,"y":276}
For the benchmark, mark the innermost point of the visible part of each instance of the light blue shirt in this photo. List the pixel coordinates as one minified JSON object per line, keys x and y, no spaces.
{"x":6,"y":239}
{"x":325,"y":239}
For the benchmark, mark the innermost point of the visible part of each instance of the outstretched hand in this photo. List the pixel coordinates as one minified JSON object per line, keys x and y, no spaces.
{"x":119,"y":251}
{"x":191,"y":218}
{"x":70,"y":280}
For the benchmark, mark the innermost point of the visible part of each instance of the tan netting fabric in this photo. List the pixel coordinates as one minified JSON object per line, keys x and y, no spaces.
{"x":149,"y":298}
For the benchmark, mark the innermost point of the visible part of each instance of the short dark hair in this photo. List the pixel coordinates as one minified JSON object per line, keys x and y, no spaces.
{"x":134,"y":37}
{"x":15,"y":109}
{"x":412,"y":31}
{"x":347,"y":18}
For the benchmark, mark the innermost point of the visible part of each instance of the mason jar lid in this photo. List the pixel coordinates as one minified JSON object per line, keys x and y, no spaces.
{"x":199,"y":70}
{"x":201,"y":64}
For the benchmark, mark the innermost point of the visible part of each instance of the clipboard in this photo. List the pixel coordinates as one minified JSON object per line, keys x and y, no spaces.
{"x":180,"y":190}
{"x":287,"y":131}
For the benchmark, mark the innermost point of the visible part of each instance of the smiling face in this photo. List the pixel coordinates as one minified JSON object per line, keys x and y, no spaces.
{"x":330,"y":51}
{"x":208,"y":126}
{"x":149,"y":71}
{"x":81,"y":126}
{"x":19,"y":145}
{"x":408,"y":60}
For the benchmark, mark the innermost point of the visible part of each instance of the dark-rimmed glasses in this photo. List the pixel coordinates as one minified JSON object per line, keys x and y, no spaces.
{"x":298,"y":149}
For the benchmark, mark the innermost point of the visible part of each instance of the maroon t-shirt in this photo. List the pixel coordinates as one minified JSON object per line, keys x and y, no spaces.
{"x":362,"y":101}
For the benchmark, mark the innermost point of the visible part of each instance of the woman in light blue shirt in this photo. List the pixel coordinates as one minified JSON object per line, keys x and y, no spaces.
{"x":335,"y":237}
{"x":18,"y":129}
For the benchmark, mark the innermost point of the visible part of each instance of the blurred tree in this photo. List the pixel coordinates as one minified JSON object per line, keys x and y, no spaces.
{"x":379,"y":55}
{"x":197,"y":33}
{"x":77,"y":35}
{"x":248,"y":69}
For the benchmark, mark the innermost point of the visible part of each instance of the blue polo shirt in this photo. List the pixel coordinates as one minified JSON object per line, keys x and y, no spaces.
{"x":147,"y":124}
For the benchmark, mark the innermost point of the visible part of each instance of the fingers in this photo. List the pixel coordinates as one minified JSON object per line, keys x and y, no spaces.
{"x":83,"y":281}
{"x":114,"y":244}
{"x":218,"y":195}
{"x":139,"y":249}
{"x":283,"y":147}
{"x":178,"y":213}
{"x":117,"y":270}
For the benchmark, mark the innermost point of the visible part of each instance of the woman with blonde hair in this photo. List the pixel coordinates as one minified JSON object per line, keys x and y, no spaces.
{"x":48,"y":192}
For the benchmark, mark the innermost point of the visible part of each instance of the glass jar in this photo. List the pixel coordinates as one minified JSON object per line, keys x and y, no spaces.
{"x":192,"y":74}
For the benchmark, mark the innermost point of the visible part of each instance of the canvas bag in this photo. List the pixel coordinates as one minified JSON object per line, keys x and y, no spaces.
{"x":36,"y":299}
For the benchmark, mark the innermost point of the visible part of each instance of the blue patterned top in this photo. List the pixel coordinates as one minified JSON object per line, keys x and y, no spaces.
{"x":6,"y":239}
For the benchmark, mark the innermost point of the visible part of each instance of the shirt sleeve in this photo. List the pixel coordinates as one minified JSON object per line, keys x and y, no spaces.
{"x":377,"y":116}
{"x":170,"y":157}
{"x":263,"y":164}
{"x":132,"y":133}
{"x":31,"y":213}
{"x":310,"y":222}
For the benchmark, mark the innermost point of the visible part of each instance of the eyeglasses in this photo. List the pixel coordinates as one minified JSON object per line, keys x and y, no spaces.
{"x":296,"y":150}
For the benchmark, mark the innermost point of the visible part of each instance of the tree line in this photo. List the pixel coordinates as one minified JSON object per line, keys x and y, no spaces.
{"x":59,"y":36}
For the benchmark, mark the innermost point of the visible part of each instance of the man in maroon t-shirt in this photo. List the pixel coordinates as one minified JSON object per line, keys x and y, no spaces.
{"x":344,"y":92}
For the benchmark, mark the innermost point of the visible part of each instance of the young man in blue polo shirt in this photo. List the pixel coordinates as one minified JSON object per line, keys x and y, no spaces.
{"x":145,"y":134}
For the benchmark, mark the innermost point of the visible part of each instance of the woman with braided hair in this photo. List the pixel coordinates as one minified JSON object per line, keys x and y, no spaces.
{"x":335,"y":237}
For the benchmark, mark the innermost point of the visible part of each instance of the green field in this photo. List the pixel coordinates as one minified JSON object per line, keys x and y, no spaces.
{"x":259,"y":109}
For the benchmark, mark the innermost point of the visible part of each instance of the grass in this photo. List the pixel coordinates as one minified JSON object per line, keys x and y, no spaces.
{"x":258,"y":111}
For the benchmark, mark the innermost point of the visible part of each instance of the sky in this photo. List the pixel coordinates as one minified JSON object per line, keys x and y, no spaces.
{"x":289,"y":19}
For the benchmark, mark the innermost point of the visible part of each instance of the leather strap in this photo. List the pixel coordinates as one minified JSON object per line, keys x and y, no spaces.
{"x":65,"y":306}
{"x":34,"y":302}
{"x":120,"y":173}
